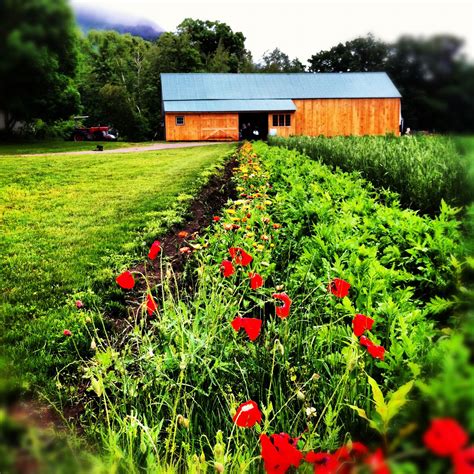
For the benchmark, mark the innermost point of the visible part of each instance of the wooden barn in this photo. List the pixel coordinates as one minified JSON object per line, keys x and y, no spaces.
{"x":201,"y":106}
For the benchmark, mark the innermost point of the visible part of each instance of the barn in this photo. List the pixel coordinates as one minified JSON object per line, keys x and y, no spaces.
{"x":202,"y":106}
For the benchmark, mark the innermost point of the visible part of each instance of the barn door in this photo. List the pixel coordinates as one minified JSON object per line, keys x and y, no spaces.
{"x":219,"y":127}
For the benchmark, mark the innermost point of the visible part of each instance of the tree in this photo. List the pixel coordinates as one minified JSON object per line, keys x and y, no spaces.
{"x":38,"y":58}
{"x":278,"y":61}
{"x":209,"y":36}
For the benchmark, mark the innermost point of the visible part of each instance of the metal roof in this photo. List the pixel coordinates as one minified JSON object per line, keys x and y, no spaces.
{"x":204,"y":86}
{"x":232,"y":105}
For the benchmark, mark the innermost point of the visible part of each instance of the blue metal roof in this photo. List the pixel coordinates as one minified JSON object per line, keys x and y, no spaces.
{"x":203,"y":86}
{"x":232,"y":105}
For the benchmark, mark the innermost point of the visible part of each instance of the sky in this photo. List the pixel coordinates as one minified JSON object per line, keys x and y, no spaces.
{"x":302,"y":28}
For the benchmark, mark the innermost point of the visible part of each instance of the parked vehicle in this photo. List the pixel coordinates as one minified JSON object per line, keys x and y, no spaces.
{"x":81,"y":134}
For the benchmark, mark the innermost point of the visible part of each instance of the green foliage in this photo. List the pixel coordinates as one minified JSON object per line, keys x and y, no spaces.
{"x":278,"y":61}
{"x":425,"y":171}
{"x":37,"y":41}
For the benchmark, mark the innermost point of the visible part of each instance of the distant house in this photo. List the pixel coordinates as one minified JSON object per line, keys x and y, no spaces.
{"x":229,"y":106}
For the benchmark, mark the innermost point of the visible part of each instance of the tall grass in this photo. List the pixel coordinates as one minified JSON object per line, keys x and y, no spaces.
{"x":424,"y":170}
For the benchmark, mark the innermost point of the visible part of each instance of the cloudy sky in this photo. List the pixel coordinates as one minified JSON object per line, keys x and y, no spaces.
{"x":301,"y":28}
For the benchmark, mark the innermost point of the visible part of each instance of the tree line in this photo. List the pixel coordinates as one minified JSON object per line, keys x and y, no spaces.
{"x":50,"y":71}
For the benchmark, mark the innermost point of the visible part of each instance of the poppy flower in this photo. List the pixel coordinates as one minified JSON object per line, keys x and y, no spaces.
{"x":324,"y":463}
{"x":463,"y":461}
{"x":183,"y":234}
{"x":251,"y":326}
{"x":339,"y":288}
{"x":151,"y":305}
{"x":366,"y":342}
{"x":361,"y":323}
{"x":227,"y":268}
{"x":154,"y":250}
{"x":256,"y":281}
{"x":79,"y":304}
{"x":357,"y":449}
{"x":125,"y":280}
{"x":279,"y":453}
{"x":377,"y":352}
{"x":376,"y":463}
{"x":216,"y":218}
{"x":445,"y":437}
{"x":247,"y":415}
{"x":240,"y":256}
{"x":284,"y":310}
{"x":184,"y":250}
{"x":66,"y":332}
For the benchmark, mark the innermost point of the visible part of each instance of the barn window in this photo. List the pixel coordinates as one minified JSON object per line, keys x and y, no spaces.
{"x":282,"y":120}
{"x":179,"y":120}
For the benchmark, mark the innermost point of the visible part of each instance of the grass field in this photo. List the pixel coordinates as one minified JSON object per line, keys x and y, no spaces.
{"x":68,"y":222}
{"x":56,"y":146}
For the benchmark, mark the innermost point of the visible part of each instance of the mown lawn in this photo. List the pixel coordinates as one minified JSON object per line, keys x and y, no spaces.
{"x":67,"y":223}
{"x":56,"y":146}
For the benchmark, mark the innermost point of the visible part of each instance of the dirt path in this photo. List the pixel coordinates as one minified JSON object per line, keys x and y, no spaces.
{"x":134,"y":149}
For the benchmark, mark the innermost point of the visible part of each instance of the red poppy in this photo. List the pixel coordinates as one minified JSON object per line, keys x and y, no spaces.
{"x":445,"y":437}
{"x":366,"y":342}
{"x":377,"y":352}
{"x":251,"y":326}
{"x":125,"y":280}
{"x":247,"y":415}
{"x":151,"y":305}
{"x":256,"y":281}
{"x":66,"y":332}
{"x":227,"y":268}
{"x":361,"y":323}
{"x":154,"y":250}
{"x":284,"y":310}
{"x":324,"y":463}
{"x":184,"y":250}
{"x":216,"y":218}
{"x":240,"y":256}
{"x":279,"y":453}
{"x":463,"y":461}
{"x":339,"y":288}
{"x":376,"y":462}
{"x":79,"y":304}
{"x":183,"y":234}
{"x":357,"y":449}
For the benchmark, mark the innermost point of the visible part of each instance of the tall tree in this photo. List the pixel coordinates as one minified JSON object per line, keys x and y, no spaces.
{"x":278,"y":61}
{"x":38,"y":58}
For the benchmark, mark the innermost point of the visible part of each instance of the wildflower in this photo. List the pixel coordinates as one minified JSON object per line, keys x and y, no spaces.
{"x":256,"y":281}
{"x":247,"y":415}
{"x":376,"y":463}
{"x":251,"y":326}
{"x":377,"y":352}
{"x":240,"y":256}
{"x":445,"y":437}
{"x":265,"y":237}
{"x":183,"y":234}
{"x":125,"y":280}
{"x":154,"y":250}
{"x":184,"y":250}
{"x":228,"y":227}
{"x":79,"y":304}
{"x":66,"y":332}
{"x":361,"y":323}
{"x":276,"y":226}
{"x":216,"y":218}
{"x":227,"y":268}
{"x":151,"y":305}
{"x":339,"y":288}
{"x":324,"y":463}
{"x":364,"y":341}
{"x":284,"y":310}
{"x":463,"y":461}
{"x":279,"y":453}
{"x":266,"y":220}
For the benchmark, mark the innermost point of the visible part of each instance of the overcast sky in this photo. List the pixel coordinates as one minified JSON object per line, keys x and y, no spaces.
{"x":304,"y":27}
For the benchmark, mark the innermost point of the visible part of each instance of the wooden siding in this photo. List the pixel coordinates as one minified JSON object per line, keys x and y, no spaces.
{"x":224,"y":126}
{"x":282,"y":131}
{"x":331,"y":117}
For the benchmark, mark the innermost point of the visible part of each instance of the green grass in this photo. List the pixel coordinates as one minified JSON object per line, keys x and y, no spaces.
{"x":57,"y":146}
{"x":67,"y":224}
